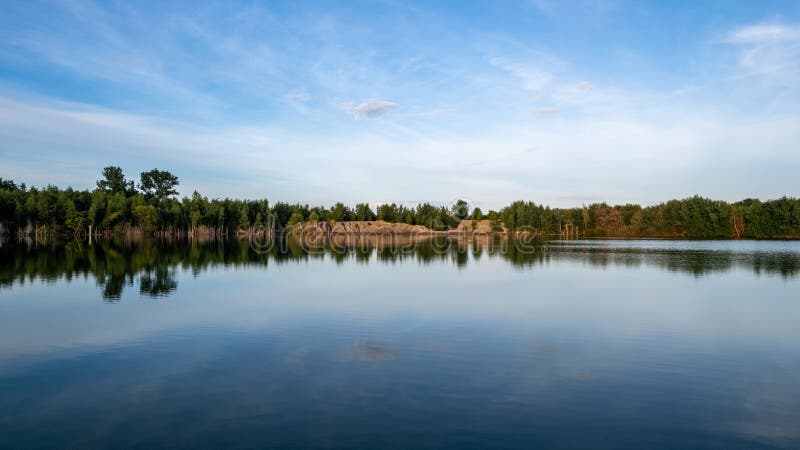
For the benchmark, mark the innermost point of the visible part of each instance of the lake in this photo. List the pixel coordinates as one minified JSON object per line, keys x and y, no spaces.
{"x":625,"y":344}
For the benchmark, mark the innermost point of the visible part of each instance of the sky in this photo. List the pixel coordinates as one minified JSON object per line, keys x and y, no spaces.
{"x":561,"y":103}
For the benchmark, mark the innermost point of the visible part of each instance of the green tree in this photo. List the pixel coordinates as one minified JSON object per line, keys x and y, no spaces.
{"x":296,"y":217}
{"x":7,"y":185}
{"x":460,"y":210}
{"x":114,"y":181}
{"x":158,"y":184}
{"x":387,"y":212}
{"x":146,"y":216}
{"x":477,"y":214}
{"x":364,"y":212}
{"x":340,"y":212}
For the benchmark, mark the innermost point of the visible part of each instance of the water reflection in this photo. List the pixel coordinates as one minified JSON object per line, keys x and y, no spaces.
{"x":370,"y":351}
{"x":152,"y":264}
{"x":360,"y":344}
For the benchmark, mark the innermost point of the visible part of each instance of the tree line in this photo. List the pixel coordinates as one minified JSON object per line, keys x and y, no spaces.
{"x":694,"y":217}
{"x":120,"y":205}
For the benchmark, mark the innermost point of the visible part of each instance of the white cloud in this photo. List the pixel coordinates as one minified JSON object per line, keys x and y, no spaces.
{"x":534,"y":78}
{"x":371,"y":109}
{"x":431,"y":113}
{"x":588,"y":8}
{"x":625,"y":158}
{"x":573,"y":93}
{"x":764,"y":33}
{"x":610,"y":138}
{"x":552,"y":86}
{"x":768,"y":50}
{"x":299,"y":96}
{"x":547,"y":110}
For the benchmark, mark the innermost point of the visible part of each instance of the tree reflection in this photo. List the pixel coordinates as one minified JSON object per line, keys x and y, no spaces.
{"x":152,"y":264}
{"x":157,"y":283}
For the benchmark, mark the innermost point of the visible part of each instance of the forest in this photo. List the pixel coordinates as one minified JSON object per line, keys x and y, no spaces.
{"x":119,"y":205}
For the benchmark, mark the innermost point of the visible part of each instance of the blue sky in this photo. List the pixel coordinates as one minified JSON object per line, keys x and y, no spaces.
{"x":563,"y":103}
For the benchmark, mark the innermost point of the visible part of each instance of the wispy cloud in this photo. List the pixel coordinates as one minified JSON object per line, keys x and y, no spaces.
{"x":572,"y":93}
{"x":171,"y":62}
{"x":592,"y":8}
{"x":768,"y":50}
{"x":430,"y":113}
{"x":547,"y":110}
{"x":614,"y":159}
{"x":545,"y":77}
{"x":298,"y":96}
{"x":533,"y":76}
{"x":227,"y":94}
{"x":371,"y":109}
{"x":764,"y":33}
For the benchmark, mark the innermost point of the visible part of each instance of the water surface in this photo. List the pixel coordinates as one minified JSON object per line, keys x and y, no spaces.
{"x":572,"y":344}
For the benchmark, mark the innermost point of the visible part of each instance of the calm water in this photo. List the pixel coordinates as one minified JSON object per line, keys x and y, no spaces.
{"x":580,"y":344}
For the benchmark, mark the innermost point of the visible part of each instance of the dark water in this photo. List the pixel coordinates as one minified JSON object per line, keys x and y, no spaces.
{"x":581,"y":344}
